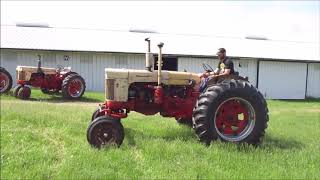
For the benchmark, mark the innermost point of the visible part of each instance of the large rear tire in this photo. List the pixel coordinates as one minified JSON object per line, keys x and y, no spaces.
{"x":105,"y":131}
{"x":73,"y":86}
{"x":233,"y":111}
{"x":5,"y":81}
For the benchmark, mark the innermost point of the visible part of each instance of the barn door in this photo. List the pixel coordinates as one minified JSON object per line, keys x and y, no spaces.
{"x":282,"y":80}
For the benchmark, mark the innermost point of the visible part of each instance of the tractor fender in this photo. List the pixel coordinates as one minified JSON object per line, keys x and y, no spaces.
{"x":213,"y":81}
{"x":67,"y":74}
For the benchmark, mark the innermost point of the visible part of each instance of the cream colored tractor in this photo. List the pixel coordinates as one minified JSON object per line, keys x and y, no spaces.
{"x":229,"y":109}
{"x":49,"y":80}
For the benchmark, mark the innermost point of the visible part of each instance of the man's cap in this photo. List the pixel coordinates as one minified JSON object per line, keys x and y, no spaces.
{"x":221,"y":50}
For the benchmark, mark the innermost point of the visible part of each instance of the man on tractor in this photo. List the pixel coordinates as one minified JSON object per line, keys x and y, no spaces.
{"x":225,"y":67}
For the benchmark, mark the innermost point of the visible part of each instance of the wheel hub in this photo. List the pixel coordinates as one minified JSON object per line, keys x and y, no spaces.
{"x":75,"y":88}
{"x":104,"y":135}
{"x":234,"y":119}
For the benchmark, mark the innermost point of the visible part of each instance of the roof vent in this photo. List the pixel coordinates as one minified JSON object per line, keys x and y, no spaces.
{"x":257,"y":37}
{"x":40,"y":25}
{"x":142,"y":31}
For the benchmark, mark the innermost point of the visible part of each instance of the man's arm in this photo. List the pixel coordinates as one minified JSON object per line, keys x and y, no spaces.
{"x":227,"y":70}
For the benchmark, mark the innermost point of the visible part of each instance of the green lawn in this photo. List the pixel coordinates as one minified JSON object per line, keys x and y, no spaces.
{"x":45,"y":137}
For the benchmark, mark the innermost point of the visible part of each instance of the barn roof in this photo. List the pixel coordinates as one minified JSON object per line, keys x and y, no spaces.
{"x":68,"y":39}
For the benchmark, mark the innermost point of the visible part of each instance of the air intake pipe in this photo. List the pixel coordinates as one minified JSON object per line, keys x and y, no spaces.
{"x":148,"y":56}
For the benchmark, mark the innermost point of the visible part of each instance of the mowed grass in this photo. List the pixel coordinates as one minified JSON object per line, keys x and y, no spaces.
{"x":45,"y":138}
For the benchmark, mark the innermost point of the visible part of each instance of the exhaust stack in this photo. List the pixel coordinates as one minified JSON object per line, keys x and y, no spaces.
{"x":160,"y":45}
{"x":39,"y":64}
{"x":149,"y":56}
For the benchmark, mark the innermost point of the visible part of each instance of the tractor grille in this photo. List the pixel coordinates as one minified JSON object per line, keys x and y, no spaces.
{"x":109,"y":89}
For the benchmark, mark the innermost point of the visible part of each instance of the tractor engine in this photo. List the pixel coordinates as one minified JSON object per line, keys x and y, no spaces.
{"x":178,"y":101}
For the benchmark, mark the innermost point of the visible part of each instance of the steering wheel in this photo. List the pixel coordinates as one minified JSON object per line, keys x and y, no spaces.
{"x":207,"y":67}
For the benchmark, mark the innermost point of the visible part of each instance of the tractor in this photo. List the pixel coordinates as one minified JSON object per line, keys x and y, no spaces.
{"x":229,"y":108}
{"x":5,"y":80}
{"x":49,"y":80}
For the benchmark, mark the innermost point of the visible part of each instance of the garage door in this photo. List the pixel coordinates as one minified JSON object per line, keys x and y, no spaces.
{"x":282,"y":80}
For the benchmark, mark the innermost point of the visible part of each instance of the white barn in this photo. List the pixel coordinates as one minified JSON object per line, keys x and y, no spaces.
{"x":280,"y":70}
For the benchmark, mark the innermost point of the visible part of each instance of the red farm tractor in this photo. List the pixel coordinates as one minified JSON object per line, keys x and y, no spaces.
{"x":49,"y":80}
{"x":5,"y":80}
{"x":229,"y":108}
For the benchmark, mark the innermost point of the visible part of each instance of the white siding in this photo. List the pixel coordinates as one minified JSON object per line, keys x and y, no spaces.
{"x":88,"y":64}
{"x":313,"y":88}
{"x":195,"y":64}
{"x":247,"y":67}
{"x":282,"y":80}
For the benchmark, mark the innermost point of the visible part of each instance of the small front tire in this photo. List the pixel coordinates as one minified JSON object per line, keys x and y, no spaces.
{"x":105,"y":131}
{"x":24,"y":93}
{"x":97,"y":113}
{"x":16,"y":90}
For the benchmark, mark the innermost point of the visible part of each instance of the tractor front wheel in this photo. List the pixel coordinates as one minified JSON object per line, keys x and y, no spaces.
{"x":24,"y":92}
{"x":5,"y":81}
{"x":105,"y":131}
{"x":16,"y":90}
{"x":233,"y":111}
{"x":73,"y":86}
{"x":96,"y":113}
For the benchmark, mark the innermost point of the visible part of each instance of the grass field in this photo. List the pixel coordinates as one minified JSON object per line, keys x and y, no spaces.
{"x":45,"y":138}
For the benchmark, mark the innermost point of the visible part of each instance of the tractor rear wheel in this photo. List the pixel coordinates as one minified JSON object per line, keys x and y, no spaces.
{"x":24,"y":92}
{"x":232,"y":111}
{"x":73,"y":86}
{"x":105,"y":131}
{"x":5,"y":81}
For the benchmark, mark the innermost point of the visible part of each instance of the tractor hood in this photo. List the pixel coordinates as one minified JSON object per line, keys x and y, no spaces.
{"x":167,"y":77}
{"x":118,"y":80}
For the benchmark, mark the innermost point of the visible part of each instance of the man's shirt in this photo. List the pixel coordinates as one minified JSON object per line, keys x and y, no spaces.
{"x":226,"y":64}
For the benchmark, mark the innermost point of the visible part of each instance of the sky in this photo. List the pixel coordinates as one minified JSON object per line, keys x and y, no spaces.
{"x":276,"y":20}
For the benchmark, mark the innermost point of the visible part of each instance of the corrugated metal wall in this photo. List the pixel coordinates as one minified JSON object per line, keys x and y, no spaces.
{"x":313,"y":88}
{"x":282,"y":80}
{"x":89,"y":65}
{"x":247,"y":67}
{"x":277,"y":80}
{"x":195,"y":64}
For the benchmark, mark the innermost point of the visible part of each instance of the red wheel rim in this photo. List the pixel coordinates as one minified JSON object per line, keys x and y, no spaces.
{"x":234,"y":119}
{"x":4,"y":82}
{"x":75,"y":88}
